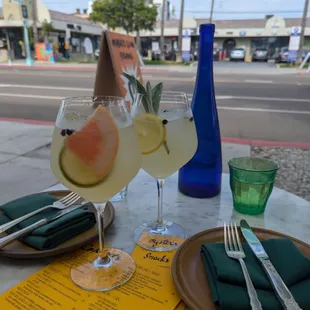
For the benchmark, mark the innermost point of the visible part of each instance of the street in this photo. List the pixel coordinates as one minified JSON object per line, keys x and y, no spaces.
{"x":252,"y":102}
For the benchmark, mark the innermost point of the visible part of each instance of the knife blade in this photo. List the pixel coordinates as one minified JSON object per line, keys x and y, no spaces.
{"x":4,"y":241}
{"x":284,"y":295}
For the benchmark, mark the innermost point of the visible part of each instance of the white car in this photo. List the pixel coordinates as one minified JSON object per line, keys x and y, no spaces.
{"x":237,"y":54}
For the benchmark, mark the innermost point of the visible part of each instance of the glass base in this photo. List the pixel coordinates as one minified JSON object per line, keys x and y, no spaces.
{"x":246,"y":209}
{"x":92,"y":274}
{"x":152,"y":237}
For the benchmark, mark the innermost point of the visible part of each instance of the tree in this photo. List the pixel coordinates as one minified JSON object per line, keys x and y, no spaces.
{"x":131,"y":15}
{"x":46,"y":29}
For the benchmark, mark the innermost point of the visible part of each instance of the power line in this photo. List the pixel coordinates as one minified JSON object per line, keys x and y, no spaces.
{"x":243,"y":12}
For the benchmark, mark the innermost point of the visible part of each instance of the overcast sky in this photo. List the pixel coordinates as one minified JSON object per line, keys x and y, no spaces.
{"x":242,"y":9}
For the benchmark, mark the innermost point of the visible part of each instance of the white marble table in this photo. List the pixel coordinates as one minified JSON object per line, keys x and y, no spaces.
{"x":285,"y":213}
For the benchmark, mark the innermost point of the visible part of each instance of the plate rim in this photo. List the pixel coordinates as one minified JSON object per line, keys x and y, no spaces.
{"x":61,"y":250}
{"x":174,"y":269}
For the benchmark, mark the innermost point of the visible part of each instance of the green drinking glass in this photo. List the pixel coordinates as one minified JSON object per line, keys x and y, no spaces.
{"x":251,"y":183}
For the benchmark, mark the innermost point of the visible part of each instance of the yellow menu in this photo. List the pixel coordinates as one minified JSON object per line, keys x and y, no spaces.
{"x":51,"y":288}
{"x":181,"y":306}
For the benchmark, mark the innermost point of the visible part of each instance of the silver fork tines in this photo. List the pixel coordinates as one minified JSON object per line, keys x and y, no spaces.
{"x":60,"y":204}
{"x":234,"y":250}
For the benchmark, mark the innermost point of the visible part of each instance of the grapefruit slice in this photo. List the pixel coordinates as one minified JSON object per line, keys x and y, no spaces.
{"x":88,"y":155}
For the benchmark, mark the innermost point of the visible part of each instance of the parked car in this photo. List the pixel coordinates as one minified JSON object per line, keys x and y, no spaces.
{"x":237,"y":54}
{"x":260,"y":54}
{"x":282,"y":55}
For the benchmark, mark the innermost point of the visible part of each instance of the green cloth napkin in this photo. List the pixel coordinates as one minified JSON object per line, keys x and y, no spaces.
{"x":227,"y":282}
{"x":52,"y":234}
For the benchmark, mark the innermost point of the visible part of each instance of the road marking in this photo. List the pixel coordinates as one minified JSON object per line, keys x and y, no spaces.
{"x":259,"y":81}
{"x":262,"y":110}
{"x":87,"y":75}
{"x":80,"y":74}
{"x":164,"y":78}
{"x":47,"y":87}
{"x":31,"y":96}
{"x":190,"y":96}
{"x":270,"y":99}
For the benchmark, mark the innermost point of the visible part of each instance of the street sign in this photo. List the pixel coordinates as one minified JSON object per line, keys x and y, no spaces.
{"x":294,"y":44}
{"x":186,"y":45}
{"x":25,"y":11}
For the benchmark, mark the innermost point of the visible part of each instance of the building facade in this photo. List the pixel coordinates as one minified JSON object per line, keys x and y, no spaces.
{"x":272,"y":33}
{"x":67,"y":28}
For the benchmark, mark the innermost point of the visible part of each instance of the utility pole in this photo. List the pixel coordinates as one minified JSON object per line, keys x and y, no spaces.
{"x":34,"y":21}
{"x":181,"y":31}
{"x":211,"y":11}
{"x":302,"y":33}
{"x":24,"y":9}
{"x":162,"y":27}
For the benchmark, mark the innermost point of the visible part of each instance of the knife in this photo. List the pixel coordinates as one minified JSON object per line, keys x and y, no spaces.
{"x":10,"y":238}
{"x":284,"y":295}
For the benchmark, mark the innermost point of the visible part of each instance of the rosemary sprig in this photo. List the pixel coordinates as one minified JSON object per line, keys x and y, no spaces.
{"x":151,"y":97}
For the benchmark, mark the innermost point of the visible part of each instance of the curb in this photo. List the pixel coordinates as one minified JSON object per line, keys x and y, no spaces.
{"x":266,"y":143}
{"x":51,"y":67}
{"x":87,"y":68}
{"x":26,"y":121}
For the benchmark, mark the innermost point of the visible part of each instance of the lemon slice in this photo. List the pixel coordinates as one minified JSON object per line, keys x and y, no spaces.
{"x":75,"y":171}
{"x":151,"y":132}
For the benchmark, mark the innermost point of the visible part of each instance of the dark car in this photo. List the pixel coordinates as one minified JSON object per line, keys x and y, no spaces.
{"x":260,"y":54}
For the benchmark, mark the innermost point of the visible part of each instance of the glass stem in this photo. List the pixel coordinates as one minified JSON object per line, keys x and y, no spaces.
{"x":103,"y":259}
{"x":160,"y":188}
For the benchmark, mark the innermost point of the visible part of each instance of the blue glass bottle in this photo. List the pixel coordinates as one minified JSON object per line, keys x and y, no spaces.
{"x":201,"y":176}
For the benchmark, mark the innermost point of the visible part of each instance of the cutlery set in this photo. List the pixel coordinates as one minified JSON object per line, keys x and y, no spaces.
{"x":66,"y":205}
{"x":234,"y":250}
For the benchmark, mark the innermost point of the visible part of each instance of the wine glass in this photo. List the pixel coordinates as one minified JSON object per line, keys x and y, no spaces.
{"x":168,"y":140}
{"x":95,"y":153}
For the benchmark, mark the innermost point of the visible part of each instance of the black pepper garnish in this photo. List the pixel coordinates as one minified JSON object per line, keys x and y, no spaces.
{"x":191,"y":119}
{"x":68,"y":132}
{"x":165,"y":122}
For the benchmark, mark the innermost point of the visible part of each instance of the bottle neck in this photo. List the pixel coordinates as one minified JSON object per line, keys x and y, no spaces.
{"x":205,"y":65}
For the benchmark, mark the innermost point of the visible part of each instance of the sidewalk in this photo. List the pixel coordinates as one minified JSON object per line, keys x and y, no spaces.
{"x":25,"y":152}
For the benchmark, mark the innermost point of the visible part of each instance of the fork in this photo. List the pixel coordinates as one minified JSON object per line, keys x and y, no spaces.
{"x":234,"y":250}
{"x":60,"y":204}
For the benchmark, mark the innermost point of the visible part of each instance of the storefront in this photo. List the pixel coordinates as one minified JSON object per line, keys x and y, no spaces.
{"x":271,"y":33}
{"x":67,"y":28}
